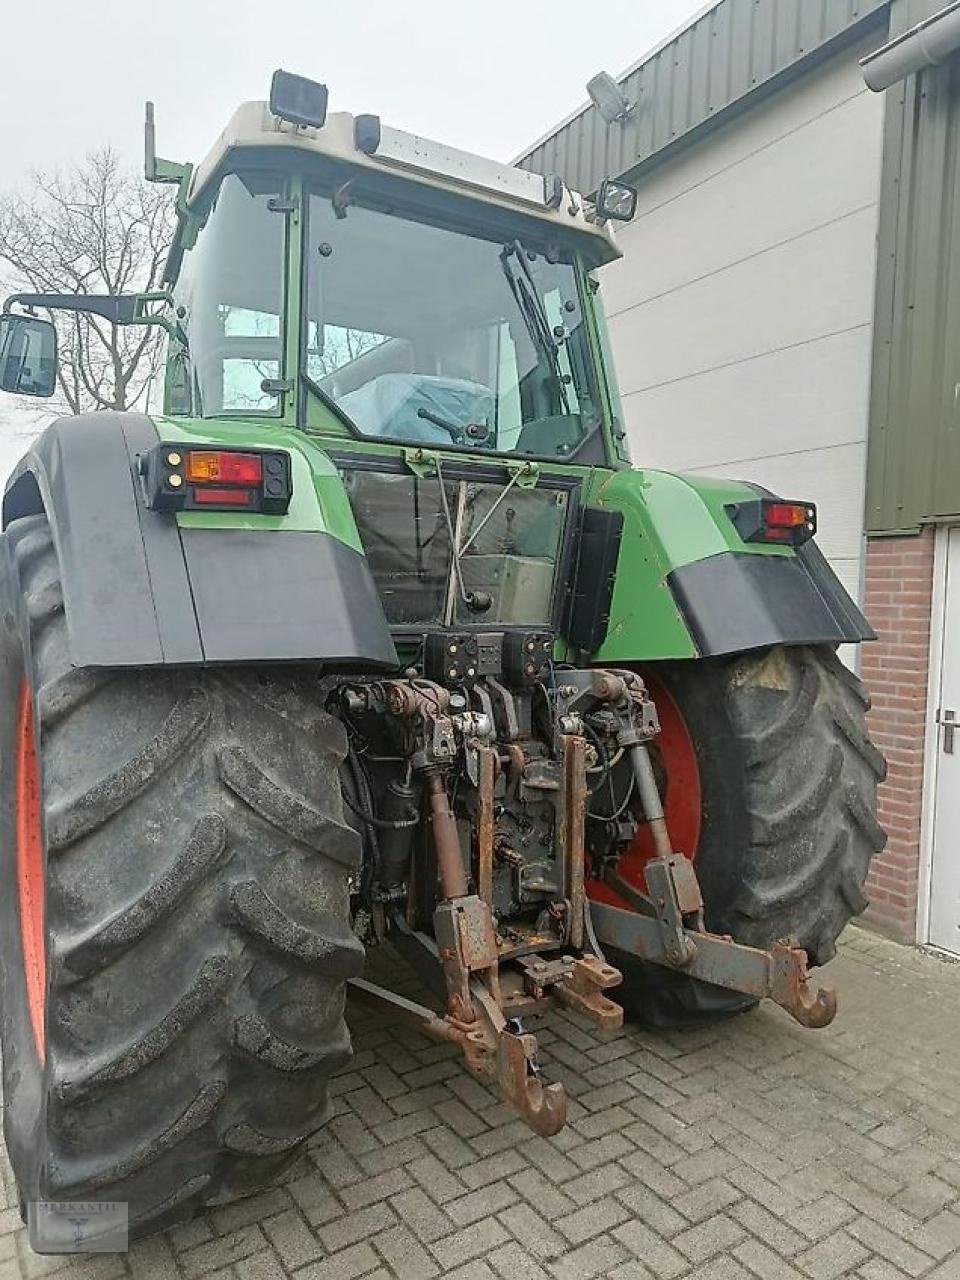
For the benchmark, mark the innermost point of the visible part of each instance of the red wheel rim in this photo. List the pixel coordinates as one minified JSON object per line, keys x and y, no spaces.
{"x":682,"y":802}
{"x":31,"y":884}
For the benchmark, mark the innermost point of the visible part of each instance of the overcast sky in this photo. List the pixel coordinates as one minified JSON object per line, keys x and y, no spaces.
{"x":490,"y":75}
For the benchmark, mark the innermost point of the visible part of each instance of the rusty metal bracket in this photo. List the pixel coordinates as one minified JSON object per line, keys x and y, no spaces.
{"x":508,"y":1055}
{"x":543,"y":1106}
{"x":467,"y":944}
{"x":486,"y":777}
{"x":571,"y":820}
{"x":491,"y":1049}
{"x":466,"y":950}
{"x":582,"y":988}
{"x":576,"y":984}
{"x":779,"y":974}
{"x":675,"y":893}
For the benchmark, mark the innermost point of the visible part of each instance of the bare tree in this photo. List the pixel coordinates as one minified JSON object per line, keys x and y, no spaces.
{"x":95,"y":229}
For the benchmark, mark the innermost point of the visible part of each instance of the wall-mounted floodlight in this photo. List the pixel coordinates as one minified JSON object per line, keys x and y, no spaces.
{"x":609,"y":99}
{"x":298,"y":100}
{"x":615,"y":200}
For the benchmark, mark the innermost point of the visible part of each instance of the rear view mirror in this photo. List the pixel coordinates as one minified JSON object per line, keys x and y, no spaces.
{"x":28,"y":355}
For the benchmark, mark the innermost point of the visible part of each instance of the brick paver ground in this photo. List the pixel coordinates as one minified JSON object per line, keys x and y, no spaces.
{"x":754,"y":1149}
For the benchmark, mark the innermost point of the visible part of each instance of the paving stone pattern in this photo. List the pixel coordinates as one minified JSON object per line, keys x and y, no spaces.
{"x":753,"y":1150}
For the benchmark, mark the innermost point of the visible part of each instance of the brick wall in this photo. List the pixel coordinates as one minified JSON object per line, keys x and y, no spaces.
{"x":899,"y":580}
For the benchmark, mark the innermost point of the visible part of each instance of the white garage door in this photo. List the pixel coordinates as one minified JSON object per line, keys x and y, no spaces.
{"x":741,"y":314}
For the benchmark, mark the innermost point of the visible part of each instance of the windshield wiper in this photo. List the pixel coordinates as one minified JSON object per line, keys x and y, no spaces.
{"x":528,"y":299}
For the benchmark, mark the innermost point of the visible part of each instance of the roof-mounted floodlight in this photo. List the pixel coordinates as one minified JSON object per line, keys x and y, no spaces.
{"x":616,"y":200}
{"x":298,"y":100}
{"x":609,"y":99}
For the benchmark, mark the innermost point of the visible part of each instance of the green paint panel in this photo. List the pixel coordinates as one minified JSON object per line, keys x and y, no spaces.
{"x":669,"y":521}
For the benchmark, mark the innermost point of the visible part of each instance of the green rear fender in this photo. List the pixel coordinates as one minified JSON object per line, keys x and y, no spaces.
{"x":319,"y":503}
{"x":144,"y":588}
{"x":688,"y":586}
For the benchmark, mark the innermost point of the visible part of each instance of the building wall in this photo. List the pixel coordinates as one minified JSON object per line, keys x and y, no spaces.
{"x":741,"y":313}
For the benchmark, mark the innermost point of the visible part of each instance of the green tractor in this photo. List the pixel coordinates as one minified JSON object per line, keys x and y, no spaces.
{"x":374,"y":636}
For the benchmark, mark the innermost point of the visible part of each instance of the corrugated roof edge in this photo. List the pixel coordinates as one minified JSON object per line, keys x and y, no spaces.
{"x":722,"y":59}
{"x":634,"y":66}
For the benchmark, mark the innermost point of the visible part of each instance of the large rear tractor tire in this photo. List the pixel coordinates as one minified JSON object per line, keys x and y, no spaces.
{"x":787,"y":828}
{"x":174,"y":926}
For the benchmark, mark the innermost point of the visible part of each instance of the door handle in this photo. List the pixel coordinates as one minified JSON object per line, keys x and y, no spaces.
{"x":948,"y":719}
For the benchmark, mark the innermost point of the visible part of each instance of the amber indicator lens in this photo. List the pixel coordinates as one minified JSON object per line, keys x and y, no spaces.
{"x":210,"y":466}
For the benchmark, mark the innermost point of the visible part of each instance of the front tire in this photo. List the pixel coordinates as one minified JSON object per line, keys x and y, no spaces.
{"x":195,"y":862}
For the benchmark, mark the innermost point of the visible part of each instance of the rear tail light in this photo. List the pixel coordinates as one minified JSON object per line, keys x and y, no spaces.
{"x":776,"y":520}
{"x":183,"y":478}
{"x":208,"y":466}
{"x":223,"y":497}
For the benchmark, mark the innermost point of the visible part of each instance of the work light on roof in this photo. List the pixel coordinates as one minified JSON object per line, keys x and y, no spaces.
{"x":616,"y":200}
{"x":298,"y":100}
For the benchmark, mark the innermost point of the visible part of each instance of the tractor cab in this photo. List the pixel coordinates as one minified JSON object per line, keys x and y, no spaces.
{"x":364,"y":283}
{"x":387,"y":293}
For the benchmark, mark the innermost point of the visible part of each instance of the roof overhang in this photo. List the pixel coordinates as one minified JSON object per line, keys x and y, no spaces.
{"x":722,"y":61}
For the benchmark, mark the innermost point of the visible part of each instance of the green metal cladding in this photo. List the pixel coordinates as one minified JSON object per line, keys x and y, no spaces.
{"x":913,"y":472}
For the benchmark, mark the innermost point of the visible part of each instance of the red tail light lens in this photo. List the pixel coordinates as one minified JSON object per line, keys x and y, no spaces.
{"x":788,"y":515}
{"x":210,"y":466}
{"x":223,"y":497}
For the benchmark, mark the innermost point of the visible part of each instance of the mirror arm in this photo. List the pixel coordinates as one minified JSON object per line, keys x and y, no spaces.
{"x":161,"y":322}
{"x":120,"y":309}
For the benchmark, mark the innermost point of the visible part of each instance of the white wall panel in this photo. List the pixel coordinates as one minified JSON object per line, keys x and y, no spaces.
{"x":820,"y":283}
{"x":705,"y":230}
{"x":741,"y":313}
{"x":799,"y":398}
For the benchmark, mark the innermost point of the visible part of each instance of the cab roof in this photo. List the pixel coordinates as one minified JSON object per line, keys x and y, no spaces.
{"x":363,"y":142}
